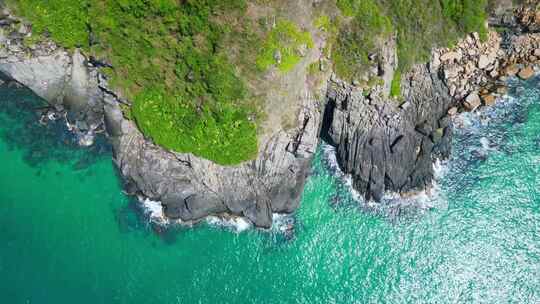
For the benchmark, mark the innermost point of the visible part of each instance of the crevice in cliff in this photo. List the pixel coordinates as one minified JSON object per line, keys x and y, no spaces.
{"x":328,"y":118}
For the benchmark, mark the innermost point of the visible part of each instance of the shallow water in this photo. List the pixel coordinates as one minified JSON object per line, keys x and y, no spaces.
{"x":69,"y":235}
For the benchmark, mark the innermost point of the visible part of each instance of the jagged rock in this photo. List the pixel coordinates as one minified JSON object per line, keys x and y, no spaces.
{"x":483,"y":62}
{"x":452,"y":72}
{"x":526,"y":73}
{"x":385,"y":154}
{"x":451,"y":56}
{"x":472,"y":102}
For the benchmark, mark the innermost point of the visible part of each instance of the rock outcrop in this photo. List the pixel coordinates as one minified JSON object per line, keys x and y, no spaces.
{"x":385,"y":146}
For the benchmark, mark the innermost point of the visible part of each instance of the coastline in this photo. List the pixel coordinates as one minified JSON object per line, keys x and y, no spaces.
{"x":191,"y":189}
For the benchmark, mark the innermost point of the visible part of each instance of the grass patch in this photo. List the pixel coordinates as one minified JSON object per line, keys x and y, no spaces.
{"x":282,"y":46}
{"x":222,"y":135}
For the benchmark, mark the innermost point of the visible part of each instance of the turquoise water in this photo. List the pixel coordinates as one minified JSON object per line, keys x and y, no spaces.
{"x":69,"y":235}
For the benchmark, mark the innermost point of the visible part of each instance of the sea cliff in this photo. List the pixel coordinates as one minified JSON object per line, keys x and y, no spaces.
{"x":385,"y":143}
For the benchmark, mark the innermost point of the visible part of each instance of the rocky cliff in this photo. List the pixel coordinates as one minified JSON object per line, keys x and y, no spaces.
{"x":188,"y":187}
{"x":386,"y":144}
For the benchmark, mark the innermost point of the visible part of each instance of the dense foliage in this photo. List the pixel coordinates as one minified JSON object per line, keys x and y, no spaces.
{"x":65,"y":20}
{"x":420,"y":25}
{"x":174,"y":61}
{"x":359,"y":36}
{"x":188,"y":66}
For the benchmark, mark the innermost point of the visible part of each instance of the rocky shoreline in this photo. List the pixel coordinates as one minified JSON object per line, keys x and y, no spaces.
{"x":385,"y":144}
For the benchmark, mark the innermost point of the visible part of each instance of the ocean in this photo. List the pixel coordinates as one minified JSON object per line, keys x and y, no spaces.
{"x":69,"y":234}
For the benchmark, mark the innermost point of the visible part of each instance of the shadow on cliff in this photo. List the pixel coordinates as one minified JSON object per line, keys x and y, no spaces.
{"x":20,"y":129}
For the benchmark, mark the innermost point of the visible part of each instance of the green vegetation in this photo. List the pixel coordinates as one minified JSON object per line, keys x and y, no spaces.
{"x":186,"y":67}
{"x":359,"y":37}
{"x":420,"y":25}
{"x":282,"y":46}
{"x":395,"y":89}
{"x":65,"y":20}
{"x":191,"y":67}
{"x":223,"y":136}
{"x":468,"y":15}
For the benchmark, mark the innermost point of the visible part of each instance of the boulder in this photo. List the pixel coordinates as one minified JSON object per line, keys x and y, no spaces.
{"x":451,"y":72}
{"x":526,"y":73}
{"x":511,"y":70}
{"x":451,"y":56}
{"x":488,"y":99}
{"x":501,"y":90}
{"x":483,"y":62}
{"x":472,"y":101}
{"x":452,"y":111}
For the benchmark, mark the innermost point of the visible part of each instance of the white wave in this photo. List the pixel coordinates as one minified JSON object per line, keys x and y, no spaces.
{"x":238,"y":224}
{"x":86,"y":139}
{"x":440,"y":169}
{"x":154,"y":211}
{"x":425,"y":199}
{"x":235,"y":223}
{"x":331,"y":158}
{"x":282,"y":223}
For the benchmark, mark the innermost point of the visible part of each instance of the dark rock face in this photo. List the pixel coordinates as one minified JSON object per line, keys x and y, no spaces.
{"x":386,"y":147}
{"x":191,"y":188}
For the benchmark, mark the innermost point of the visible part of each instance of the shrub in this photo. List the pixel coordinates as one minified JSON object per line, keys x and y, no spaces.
{"x":469,"y":15}
{"x":220,"y":134}
{"x":395,"y":89}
